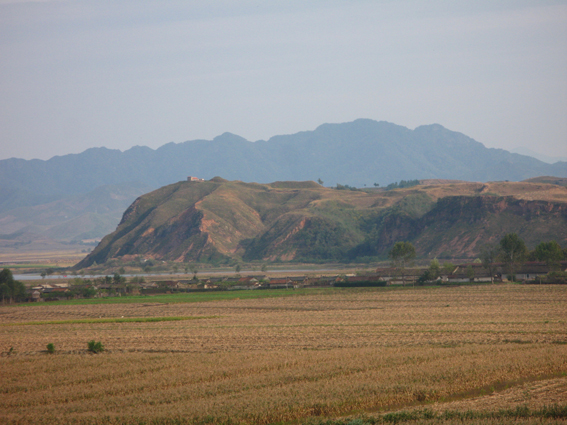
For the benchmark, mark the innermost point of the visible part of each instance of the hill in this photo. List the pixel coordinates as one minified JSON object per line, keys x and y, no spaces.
{"x":548,"y":179}
{"x":223,"y":221}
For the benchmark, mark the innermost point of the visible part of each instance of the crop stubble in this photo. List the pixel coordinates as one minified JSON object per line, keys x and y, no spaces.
{"x":277,"y":359}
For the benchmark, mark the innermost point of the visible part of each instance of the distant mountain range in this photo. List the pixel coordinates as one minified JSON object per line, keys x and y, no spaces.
{"x":522,"y":150}
{"x":358,"y":153}
{"x":222,"y":222}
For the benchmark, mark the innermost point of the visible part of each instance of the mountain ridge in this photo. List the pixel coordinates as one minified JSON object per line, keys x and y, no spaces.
{"x":391,"y":153}
{"x":357,"y":153}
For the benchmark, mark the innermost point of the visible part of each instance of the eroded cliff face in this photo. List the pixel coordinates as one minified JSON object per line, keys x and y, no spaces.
{"x":458,"y":226}
{"x":219,"y":221}
{"x":209,"y":221}
{"x":163,"y":224}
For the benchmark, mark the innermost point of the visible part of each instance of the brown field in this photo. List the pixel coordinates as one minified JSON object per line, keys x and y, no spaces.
{"x":299,"y":358}
{"x":59,"y":257}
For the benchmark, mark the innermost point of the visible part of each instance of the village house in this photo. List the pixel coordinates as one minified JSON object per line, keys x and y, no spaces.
{"x":533,"y":270}
{"x":170,"y":284}
{"x":328,"y":280}
{"x":280,"y":283}
{"x":194,"y":179}
{"x":409,"y":278}
{"x":461,"y":274}
{"x":386,"y":273}
{"x":212,"y":280}
{"x":311,"y":281}
{"x":247,"y":282}
{"x":363,"y":278}
{"x":322,"y":281}
{"x":298,"y":281}
{"x":148,"y":285}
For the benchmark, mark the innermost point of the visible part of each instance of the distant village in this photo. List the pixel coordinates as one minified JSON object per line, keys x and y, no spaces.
{"x":117,"y":285}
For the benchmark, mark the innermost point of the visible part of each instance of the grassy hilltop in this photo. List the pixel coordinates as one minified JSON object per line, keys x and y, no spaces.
{"x":221,"y":221}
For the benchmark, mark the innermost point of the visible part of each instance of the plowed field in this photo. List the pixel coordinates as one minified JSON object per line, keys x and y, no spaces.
{"x":261,"y":361}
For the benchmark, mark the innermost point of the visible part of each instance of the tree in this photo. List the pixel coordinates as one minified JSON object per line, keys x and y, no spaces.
{"x":195,"y":271}
{"x":237,"y":268}
{"x":402,"y":255}
{"x":320,"y":181}
{"x":10,"y":289}
{"x":550,"y":252}
{"x":448,"y":268}
{"x":470,"y":273}
{"x":88,"y":292}
{"x":434,"y":269}
{"x":488,"y":256}
{"x":117,"y":279}
{"x":264,"y":268}
{"x":432,"y":273}
{"x":95,"y":346}
{"x":513,"y":252}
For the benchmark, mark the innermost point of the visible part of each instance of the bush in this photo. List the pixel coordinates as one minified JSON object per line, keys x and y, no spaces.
{"x":89,"y":292}
{"x":50,"y":348}
{"x":556,"y":277}
{"x":95,"y":346}
{"x":402,"y":184}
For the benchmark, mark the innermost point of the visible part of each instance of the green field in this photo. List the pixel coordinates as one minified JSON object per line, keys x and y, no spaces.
{"x":194,"y":297}
{"x":107,"y":320}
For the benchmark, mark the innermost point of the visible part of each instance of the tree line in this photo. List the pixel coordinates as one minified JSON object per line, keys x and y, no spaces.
{"x":511,"y":251}
{"x":11,"y":290}
{"x":402,"y":184}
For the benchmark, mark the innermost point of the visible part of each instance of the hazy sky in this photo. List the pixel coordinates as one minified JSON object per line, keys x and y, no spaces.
{"x":80,"y":74}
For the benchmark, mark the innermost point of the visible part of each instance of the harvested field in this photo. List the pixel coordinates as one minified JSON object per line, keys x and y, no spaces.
{"x":46,"y":255}
{"x":260,"y":361}
{"x":533,"y":395}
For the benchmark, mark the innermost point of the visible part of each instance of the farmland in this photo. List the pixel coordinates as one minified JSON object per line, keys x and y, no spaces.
{"x":334,"y":354}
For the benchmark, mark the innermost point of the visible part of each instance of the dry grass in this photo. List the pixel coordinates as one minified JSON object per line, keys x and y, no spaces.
{"x":279,"y":359}
{"x":519,"y":190}
{"x":60,"y":257}
{"x":533,"y":394}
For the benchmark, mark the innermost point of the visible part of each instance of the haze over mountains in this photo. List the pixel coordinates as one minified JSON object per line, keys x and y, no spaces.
{"x":358,"y":153}
{"x":545,"y":158}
